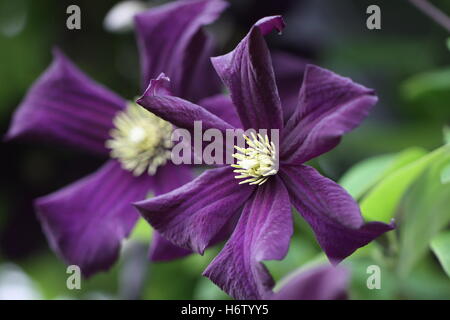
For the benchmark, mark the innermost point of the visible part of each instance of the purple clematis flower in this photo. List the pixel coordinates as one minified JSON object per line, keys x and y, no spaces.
{"x":86,"y":221}
{"x":327,"y":107}
{"x":315,"y":283}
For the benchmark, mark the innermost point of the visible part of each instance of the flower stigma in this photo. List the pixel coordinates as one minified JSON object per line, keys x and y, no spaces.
{"x":140,"y":140}
{"x":256,"y":163}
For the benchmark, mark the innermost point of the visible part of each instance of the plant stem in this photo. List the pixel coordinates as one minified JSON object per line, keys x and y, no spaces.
{"x":433,"y":12}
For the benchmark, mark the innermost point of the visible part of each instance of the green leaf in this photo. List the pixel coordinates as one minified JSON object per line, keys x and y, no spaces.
{"x":382,"y":201}
{"x":365,"y":174}
{"x":421,"y":84}
{"x":448,"y":43}
{"x":445,"y":175}
{"x":440,"y":245}
{"x":362,"y":176}
{"x":424,"y":212}
{"x":142,"y":231}
{"x":447,"y":134}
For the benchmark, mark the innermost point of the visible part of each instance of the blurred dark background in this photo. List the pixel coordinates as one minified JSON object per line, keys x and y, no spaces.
{"x":411,"y":112}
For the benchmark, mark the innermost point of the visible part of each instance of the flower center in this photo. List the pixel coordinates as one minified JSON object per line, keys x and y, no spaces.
{"x":258,"y":162}
{"x":140,"y":140}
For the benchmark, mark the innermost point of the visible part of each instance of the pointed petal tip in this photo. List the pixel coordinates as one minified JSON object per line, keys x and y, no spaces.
{"x":140,"y":206}
{"x":9,"y":136}
{"x":267,"y":24}
{"x":393,"y":224}
{"x":156,"y":86}
{"x":314,"y":70}
{"x":57,"y":52}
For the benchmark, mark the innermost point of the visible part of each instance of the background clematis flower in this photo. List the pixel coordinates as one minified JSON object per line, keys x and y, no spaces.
{"x":322,"y":282}
{"x":191,"y":216}
{"x":86,"y":221}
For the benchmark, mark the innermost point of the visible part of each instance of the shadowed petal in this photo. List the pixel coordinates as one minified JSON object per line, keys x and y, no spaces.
{"x":171,"y":40}
{"x":171,"y":176}
{"x":193,"y":215}
{"x":200,"y":79}
{"x":317,"y":283}
{"x":186,"y":115}
{"x":182,"y":113}
{"x":289,"y":71}
{"x":65,"y":106}
{"x":222,"y":106}
{"x":329,"y":106}
{"x":85,"y":222}
{"x":262,"y":233}
{"x":330,"y":211}
{"x":247,"y":71}
{"x":168,"y":178}
{"x":163,"y":250}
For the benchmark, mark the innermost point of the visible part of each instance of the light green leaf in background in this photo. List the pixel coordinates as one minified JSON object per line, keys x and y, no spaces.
{"x":382,"y":201}
{"x":440,"y":245}
{"x":445,"y":175}
{"x":448,"y":43}
{"x":365,"y":174}
{"x":362,"y":176}
{"x":424,"y":211}
{"x":142,"y":231}
{"x":447,"y":134}
{"x":421,"y":84}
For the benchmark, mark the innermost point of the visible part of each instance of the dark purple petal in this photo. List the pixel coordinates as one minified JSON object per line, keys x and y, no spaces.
{"x":247,"y":71}
{"x":317,"y":283}
{"x":181,"y":113}
{"x":329,"y":106}
{"x":330,"y":211}
{"x":193,"y":215}
{"x":222,"y":106}
{"x":200,"y":79}
{"x":289,"y":71}
{"x":85,"y":222}
{"x":171,"y":176}
{"x":67,"y":107}
{"x":168,"y":178}
{"x":262,"y":233}
{"x":163,"y":250}
{"x":171,"y":40}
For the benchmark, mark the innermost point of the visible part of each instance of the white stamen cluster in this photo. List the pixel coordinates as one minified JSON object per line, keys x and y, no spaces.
{"x":140,"y":140}
{"x":258,"y":162}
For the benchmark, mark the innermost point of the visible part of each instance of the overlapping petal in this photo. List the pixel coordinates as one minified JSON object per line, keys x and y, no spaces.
{"x":181,"y":113}
{"x":289,"y":71}
{"x":85,"y":222}
{"x":262,"y":233}
{"x":316,"y":283}
{"x":247,"y":72}
{"x":222,"y":106}
{"x":164,"y":250}
{"x":329,"y":106}
{"x":195,"y":214}
{"x":171,"y":176}
{"x":200,"y":79}
{"x":168,"y":178}
{"x":65,"y":106}
{"x":330,"y":211}
{"x":171,"y":40}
